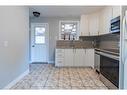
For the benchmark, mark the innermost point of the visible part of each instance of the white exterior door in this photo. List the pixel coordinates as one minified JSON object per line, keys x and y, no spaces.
{"x":39,"y":42}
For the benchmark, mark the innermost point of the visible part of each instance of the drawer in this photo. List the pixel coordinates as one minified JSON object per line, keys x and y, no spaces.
{"x":59,"y":58}
{"x":59,"y":55}
{"x":59,"y":61}
{"x":59,"y":50}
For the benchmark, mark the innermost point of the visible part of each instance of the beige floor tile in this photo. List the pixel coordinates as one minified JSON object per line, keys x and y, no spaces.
{"x":51,"y":88}
{"x":46,"y":76}
{"x":78,"y":87}
{"x":88,"y":83}
{"x":65,"y":87}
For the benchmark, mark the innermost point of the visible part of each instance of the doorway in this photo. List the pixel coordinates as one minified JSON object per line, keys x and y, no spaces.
{"x":39,"y":42}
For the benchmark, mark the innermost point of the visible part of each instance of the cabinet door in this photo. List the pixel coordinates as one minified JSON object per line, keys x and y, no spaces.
{"x":116,"y":11}
{"x":68,"y":57}
{"x":84,"y":25}
{"x":94,"y":24}
{"x":78,"y":57}
{"x":105,"y":18}
{"x":89,"y":58}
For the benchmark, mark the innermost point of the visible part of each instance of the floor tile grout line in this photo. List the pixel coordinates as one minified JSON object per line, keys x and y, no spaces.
{"x":47,"y":77}
{"x":69,"y":78}
{"x":80,"y":78}
{"x":41,"y":72}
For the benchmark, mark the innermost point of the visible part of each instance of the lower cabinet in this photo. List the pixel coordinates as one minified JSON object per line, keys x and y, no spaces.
{"x":75,"y":58}
{"x":68,"y":57}
{"x":78,"y":56}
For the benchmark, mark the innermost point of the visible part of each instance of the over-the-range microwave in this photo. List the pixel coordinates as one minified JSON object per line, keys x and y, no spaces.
{"x":115,"y":25}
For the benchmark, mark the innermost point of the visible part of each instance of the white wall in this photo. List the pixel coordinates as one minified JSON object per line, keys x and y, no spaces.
{"x":14,"y":28}
{"x":53,"y":31}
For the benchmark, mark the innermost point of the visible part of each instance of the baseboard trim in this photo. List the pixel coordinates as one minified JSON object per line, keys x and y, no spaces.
{"x":16,"y":80}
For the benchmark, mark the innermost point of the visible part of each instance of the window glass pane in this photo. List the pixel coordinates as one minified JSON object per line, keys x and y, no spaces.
{"x":73,"y":30}
{"x":68,"y":26}
{"x":62,"y":30}
{"x":68,"y":30}
{"x":39,"y":31}
{"x":62,"y":26}
{"x":39,"y":39}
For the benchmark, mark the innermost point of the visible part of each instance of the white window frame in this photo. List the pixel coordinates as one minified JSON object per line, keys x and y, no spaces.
{"x":68,"y":21}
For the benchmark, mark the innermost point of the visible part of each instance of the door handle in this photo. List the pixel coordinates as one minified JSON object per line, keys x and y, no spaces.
{"x":33,"y":45}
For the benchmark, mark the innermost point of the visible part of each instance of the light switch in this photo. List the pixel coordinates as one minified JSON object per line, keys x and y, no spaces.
{"x":5,"y":43}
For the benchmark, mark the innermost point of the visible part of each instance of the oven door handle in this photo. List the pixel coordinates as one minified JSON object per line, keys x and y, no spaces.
{"x":109,"y":55}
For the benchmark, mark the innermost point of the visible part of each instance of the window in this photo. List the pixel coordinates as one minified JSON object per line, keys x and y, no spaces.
{"x":39,"y":35}
{"x":69,"y":30}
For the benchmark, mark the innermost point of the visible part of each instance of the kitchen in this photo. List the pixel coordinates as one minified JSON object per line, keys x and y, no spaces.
{"x":98,"y":46}
{"x":80,"y":46}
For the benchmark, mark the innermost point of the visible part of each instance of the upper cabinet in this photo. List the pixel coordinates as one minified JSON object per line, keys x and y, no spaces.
{"x":98,"y":23}
{"x":105,"y":18}
{"x":116,"y":11}
{"x":94,"y":24}
{"x":89,"y":24}
{"x":84,"y":25}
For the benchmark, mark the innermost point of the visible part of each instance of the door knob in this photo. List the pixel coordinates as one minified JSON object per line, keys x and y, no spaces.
{"x":33,"y":46}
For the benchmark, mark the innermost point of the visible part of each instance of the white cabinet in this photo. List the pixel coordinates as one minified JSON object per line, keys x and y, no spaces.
{"x":78,"y":57}
{"x":94,"y":24}
{"x":105,"y":18}
{"x":74,"y":58}
{"x":84,"y":28}
{"x":68,"y":57}
{"x":89,"y":24}
{"x":116,"y":11}
{"x":89,"y":58}
{"x":98,"y":23}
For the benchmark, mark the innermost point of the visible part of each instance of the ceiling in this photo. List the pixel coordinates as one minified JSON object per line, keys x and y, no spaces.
{"x":63,"y":11}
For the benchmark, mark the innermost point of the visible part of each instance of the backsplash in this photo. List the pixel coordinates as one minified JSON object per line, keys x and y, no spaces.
{"x":75,"y":44}
{"x":108,"y":41}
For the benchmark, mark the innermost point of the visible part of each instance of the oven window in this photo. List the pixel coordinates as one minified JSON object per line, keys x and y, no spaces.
{"x":110,"y":69}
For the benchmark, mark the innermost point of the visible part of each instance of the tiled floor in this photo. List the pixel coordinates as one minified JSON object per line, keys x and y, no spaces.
{"x":45,"y":76}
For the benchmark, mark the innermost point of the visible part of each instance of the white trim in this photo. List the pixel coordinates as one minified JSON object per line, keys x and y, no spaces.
{"x":12,"y":83}
{"x":51,"y":62}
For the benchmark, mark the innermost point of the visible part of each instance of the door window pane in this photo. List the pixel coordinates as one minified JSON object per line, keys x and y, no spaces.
{"x":39,"y":31}
{"x":39,"y":35}
{"x":39,"y":39}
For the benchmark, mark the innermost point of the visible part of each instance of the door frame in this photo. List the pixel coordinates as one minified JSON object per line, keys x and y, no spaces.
{"x":47,"y":44}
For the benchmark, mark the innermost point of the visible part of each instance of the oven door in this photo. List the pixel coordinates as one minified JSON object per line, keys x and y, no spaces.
{"x":109,"y":68}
